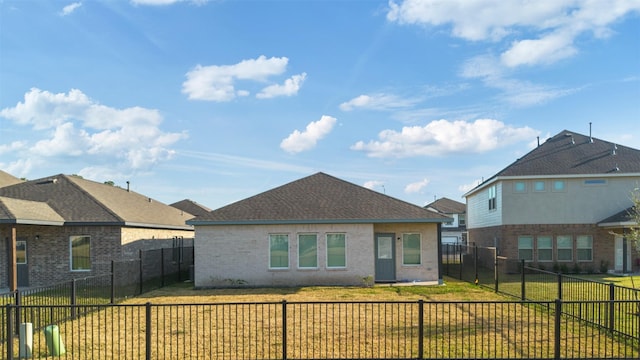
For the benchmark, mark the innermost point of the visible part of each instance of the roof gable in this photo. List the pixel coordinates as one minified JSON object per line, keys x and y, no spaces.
{"x":83,"y":201}
{"x":447,"y":206}
{"x":319,"y":198}
{"x":7,"y":179}
{"x":191,"y":207}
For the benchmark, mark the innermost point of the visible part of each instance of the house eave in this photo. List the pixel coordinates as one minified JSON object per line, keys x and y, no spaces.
{"x":31,"y":222}
{"x":306,"y":221}
{"x":618,"y":224}
{"x":129,"y":224}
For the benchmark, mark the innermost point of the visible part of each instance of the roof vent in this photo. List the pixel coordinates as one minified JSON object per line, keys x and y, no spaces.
{"x":616,"y":169}
{"x":590,"y":137}
{"x":150,"y":200}
{"x":613,"y":151}
{"x":573,"y":141}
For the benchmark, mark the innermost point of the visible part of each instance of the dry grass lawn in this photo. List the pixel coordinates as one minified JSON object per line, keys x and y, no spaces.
{"x":327,"y":322}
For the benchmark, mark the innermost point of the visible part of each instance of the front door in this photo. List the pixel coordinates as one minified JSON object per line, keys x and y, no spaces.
{"x":21,"y":263}
{"x":385,"y":257}
{"x":623,"y":255}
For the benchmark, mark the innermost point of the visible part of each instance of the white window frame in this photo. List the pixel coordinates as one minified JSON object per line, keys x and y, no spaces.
{"x":578,"y":247}
{"x":530,"y":238}
{"x":405,"y":237}
{"x":558,"y":248}
{"x":493,"y":197}
{"x":549,"y":249}
{"x":344,"y":238}
{"x":554,"y":187}
{"x":24,"y":245}
{"x":271,"y":267}
{"x":71,"y":257}
{"x":315,"y":235}
{"x":520,"y":191}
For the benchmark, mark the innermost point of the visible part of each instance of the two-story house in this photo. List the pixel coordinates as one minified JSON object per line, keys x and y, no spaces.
{"x":454,"y":231}
{"x":554,"y":205}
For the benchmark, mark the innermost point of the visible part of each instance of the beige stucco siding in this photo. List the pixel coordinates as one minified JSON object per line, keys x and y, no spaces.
{"x":239,"y":255}
{"x":428,"y":269}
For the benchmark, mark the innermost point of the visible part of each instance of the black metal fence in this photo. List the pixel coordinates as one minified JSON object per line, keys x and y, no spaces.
{"x":153,"y":269}
{"x":514,"y":278}
{"x":314,"y":330}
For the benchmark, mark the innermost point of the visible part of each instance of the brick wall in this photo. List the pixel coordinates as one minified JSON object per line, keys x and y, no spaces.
{"x":505,"y":239}
{"x":48,"y":252}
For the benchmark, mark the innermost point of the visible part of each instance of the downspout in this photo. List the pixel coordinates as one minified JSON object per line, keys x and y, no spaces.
{"x":13,"y":268}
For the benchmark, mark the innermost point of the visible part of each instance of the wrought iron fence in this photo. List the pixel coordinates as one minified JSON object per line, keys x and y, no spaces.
{"x":316,"y":330}
{"x":512,"y":277}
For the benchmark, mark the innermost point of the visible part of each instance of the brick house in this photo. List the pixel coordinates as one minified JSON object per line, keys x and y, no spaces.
{"x":64,"y":227}
{"x":551,"y":206}
{"x":318,"y":230}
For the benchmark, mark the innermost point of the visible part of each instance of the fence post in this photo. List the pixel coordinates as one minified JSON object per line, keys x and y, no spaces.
{"x":495,"y":268}
{"x":612,"y":295}
{"x":475,"y":263}
{"x":284,"y":329}
{"x":556,"y":330}
{"x":113,"y":282}
{"x":73,"y":298}
{"x":9,"y":332}
{"x":141,"y":268}
{"x":18,"y":303}
{"x":461,"y":259}
{"x":148,"y":331}
{"x":522,"y":281}
{"x":420,"y":329}
{"x":161,"y":267}
{"x":560,"y":285}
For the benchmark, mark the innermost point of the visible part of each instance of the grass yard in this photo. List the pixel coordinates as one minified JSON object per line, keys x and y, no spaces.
{"x":460,"y":320}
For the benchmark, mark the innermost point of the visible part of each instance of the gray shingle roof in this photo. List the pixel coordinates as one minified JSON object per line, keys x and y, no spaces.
{"x":447,"y":206}
{"x":570,"y":153}
{"x":319,"y":198}
{"x":16,"y":211}
{"x":7,"y":179}
{"x":82,"y":201}
{"x":191,"y":207}
{"x":624,"y":217}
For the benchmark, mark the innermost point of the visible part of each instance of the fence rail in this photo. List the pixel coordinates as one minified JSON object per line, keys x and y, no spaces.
{"x":317,"y":330}
{"x":482,"y":266}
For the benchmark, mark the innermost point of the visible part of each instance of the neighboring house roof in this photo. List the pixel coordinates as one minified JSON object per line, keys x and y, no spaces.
{"x":191,"y":207}
{"x":16,"y":211}
{"x":447,"y":206}
{"x":572,"y":154}
{"x":7,"y":179}
{"x":319,"y":198}
{"x":79,"y":201}
{"x":621,"y":219}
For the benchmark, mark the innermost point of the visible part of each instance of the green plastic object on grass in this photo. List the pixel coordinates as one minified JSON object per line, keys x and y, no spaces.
{"x":54,"y":341}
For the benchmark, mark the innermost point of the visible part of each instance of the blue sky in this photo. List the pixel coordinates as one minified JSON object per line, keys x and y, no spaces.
{"x":216,"y":101}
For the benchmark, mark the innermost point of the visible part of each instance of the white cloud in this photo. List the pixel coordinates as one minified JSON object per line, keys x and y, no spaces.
{"x":299,"y":141}
{"x":14,"y":146}
{"x":372,"y":184}
{"x":289,"y":88}
{"x":547,"y":29}
{"x":379,"y":101}
{"x":218,"y":82}
{"x":67,"y":10}
{"x":77,"y":126}
{"x":416,"y":186}
{"x":444,"y":137}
